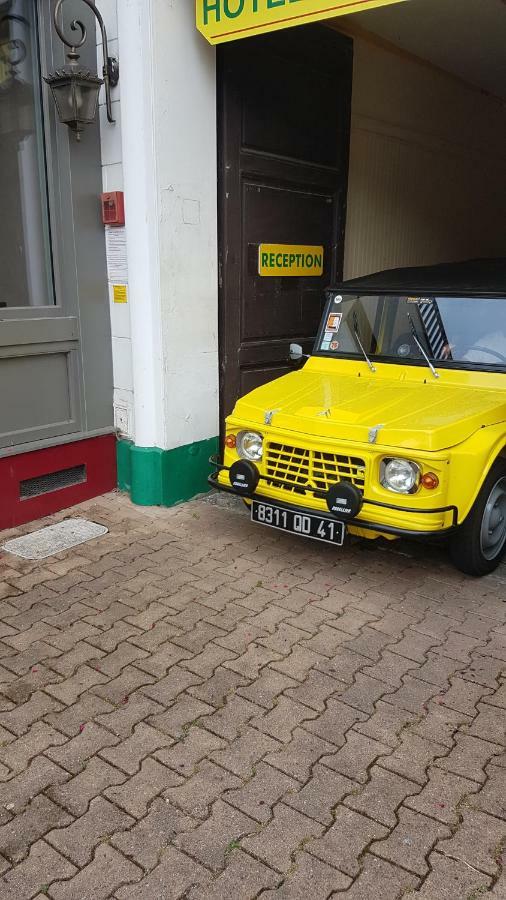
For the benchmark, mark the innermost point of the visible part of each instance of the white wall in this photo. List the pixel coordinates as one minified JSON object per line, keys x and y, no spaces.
{"x":112,"y":178}
{"x":427,"y":177}
{"x":162,"y":152}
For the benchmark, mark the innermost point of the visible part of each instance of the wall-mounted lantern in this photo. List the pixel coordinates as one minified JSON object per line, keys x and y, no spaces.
{"x":75,"y":88}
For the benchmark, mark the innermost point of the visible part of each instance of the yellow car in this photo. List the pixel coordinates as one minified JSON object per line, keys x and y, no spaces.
{"x":395,"y":425}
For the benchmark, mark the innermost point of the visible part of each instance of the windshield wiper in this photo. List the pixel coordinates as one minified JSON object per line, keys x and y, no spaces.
{"x":420,"y":346}
{"x":359,"y":342}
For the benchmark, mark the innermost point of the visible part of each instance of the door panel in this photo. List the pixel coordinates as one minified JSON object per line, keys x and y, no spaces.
{"x":284,"y":110}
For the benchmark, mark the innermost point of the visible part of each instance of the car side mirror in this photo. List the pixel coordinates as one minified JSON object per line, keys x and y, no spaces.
{"x":296,"y":353}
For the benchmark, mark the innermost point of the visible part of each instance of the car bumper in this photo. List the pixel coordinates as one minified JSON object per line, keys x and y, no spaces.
{"x":366,"y":521}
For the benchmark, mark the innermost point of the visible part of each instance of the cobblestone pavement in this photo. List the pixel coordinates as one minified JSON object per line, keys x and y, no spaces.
{"x":193,"y":706}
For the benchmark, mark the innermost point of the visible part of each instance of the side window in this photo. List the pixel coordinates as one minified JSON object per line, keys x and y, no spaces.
{"x":26,"y":278}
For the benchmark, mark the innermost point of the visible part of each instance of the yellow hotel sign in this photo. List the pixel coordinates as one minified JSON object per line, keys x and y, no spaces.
{"x":289,"y":259}
{"x":228,"y":20}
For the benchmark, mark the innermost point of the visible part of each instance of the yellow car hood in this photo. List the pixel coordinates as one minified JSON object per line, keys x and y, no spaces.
{"x":412,"y":414}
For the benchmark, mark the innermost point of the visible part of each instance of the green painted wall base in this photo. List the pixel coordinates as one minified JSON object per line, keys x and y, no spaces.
{"x":155,"y":477}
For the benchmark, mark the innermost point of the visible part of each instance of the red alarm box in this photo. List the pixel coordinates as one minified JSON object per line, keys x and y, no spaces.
{"x":113,"y":208}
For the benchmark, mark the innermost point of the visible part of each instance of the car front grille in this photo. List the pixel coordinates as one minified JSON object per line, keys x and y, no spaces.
{"x":298,"y":469}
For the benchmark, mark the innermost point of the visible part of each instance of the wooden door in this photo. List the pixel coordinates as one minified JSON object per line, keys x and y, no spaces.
{"x":284,"y":129}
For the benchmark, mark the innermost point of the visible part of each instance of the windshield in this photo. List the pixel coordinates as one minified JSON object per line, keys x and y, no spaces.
{"x":466,"y":331}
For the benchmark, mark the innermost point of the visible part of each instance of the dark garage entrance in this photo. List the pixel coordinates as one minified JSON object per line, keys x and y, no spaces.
{"x":284,"y":127}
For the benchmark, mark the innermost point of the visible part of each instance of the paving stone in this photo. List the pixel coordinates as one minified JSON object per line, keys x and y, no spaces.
{"x":469,"y":757}
{"x":344,"y":842}
{"x":386,"y":724}
{"x":25,"y":829}
{"x":150,"y":837}
{"x":365,"y":692}
{"x":38,"y":870}
{"x":135,"y":795}
{"x":298,"y":756}
{"x":480,"y":842}
{"x":380,"y":879}
{"x":299,"y":663}
{"x":122,"y":721}
{"x":20,"y":663}
{"x":198,"y":792}
{"x":411,"y":841}
{"x":356,"y":756}
{"x":171,"y":879}
{"x":257,"y":796}
{"x":76,"y":794}
{"x":413,"y":695}
{"x":482,"y":670}
{"x":442,"y":796}
{"x":464,"y":696}
{"x":212,"y":840}
{"x":128,"y":755}
{"x":78,"y":841}
{"x":165,"y":690}
{"x":243,"y":878}
{"x":369,"y":643}
{"x":69,"y":690}
{"x":281,"y":721}
{"x":412,"y":757}
{"x":241,"y":756}
{"x":415,"y":645}
{"x":119,"y":689}
{"x":108,"y":871}
{"x":19,"y":719}
{"x":278,"y":841}
{"x":250,"y":663}
{"x":381,"y":796}
{"x":206,"y":663}
{"x":184,"y":755}
{"x":452,"y":880}
{"x":74,"y":754}
{"x":229,"y":722}
{"x":266,"y":688}
{"x":490,"y":724}
{"x":326,"y":641}
{"x":317,"y":799}
{"x":17,"y":754}
{"x":185,"y":711}
{"x":309,"y":877}
{"x":72,"y":718}
{"x":491,"y":798}
{"x":333,"y":724}
{"x":40,"y":774}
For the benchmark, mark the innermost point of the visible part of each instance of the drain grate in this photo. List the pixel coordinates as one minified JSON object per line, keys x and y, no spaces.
{"x":54,"y":481}
{"x":54,"y":539}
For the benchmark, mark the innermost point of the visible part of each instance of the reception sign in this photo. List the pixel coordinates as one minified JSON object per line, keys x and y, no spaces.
{"x":228,"y":20}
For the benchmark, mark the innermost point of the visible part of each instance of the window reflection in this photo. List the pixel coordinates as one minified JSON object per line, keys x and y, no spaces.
{"x":25,"y":259}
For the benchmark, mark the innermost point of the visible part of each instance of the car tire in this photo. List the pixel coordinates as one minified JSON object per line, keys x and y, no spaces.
{"x":479,"y":545}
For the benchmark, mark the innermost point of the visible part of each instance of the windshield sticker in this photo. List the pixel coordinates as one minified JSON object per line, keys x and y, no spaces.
{"x":334,"y":345}
{"x":325,"y":345}
{"x":328,"y":335}
{"x":420,"y":301}
{"x":334,"y":322}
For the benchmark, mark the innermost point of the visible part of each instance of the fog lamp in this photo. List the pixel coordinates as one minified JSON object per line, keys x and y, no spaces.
{"x":400,"y":475}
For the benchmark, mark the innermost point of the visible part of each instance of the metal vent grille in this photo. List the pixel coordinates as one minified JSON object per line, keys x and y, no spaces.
{"x":301,"y":468}
{"x":55,"y":481}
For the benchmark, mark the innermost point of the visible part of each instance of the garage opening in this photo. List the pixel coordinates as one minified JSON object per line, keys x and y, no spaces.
{"x":425,"y":82}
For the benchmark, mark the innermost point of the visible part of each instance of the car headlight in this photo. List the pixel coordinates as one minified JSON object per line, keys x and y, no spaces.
{"x":400,"y":475}
{"x":250,"y":445}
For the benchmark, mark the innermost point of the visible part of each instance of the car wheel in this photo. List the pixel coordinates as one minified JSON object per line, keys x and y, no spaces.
{"x":479,"y":545}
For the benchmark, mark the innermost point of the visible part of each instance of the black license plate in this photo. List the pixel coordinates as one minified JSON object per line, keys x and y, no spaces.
{"x":320,"y":528}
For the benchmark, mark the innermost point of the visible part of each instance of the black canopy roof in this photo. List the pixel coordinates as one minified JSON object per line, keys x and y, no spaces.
{"x":479,"y":276}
